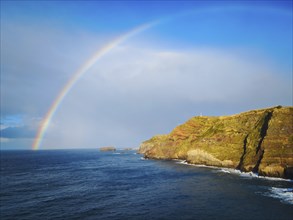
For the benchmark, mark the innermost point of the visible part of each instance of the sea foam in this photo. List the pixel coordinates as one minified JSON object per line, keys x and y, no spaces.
{"x":285,"y":195}
{"x":233,"y":171}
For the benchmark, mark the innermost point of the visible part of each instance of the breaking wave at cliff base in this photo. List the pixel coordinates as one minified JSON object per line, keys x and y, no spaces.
{"x":285,"y":195}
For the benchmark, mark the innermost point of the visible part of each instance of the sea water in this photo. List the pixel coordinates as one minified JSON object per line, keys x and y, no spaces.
{"x":88,"y":184}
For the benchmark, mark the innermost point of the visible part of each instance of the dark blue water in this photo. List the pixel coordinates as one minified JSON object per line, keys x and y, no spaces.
{"x":88,"y":184}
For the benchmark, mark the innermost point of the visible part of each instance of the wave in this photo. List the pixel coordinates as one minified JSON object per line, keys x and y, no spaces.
{"x":224,"y":170}
{"x":180,"y":161}
{"x":194,"y":165}
{"x":233,"y":171}
{"x":255,"y":175}
{"x":285,"y":195}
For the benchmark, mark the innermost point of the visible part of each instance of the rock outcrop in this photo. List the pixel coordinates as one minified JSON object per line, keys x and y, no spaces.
{"x":258,"y":141}
{"x":107,"y":149}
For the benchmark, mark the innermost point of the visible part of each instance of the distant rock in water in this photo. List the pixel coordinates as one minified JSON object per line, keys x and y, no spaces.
{"x":260,"y":141}
{"x":107,"y":149}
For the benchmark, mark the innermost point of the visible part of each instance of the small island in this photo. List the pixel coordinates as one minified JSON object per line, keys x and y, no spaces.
{"x":104,"y":149}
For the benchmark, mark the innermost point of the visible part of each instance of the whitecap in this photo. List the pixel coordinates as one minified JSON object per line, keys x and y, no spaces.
{"x":194,"y":165}
{"x":255,"y":175}
{"x":285,"y":195}
{"x":181,"y":161}
{"x":233,"y":171}
{"x":247,"y":174}
{"x":224,"y":171}
{"x":274,"y":178}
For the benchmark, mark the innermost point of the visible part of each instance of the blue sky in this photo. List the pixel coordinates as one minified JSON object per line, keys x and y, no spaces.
{"x":203,"y":57}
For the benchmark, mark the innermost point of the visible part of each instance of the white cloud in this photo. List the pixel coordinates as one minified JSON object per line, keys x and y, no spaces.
{"x":134,"y":93}
{"x":131,"y":93}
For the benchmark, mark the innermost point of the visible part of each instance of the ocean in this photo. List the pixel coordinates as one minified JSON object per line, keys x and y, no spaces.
{"x":88,"y":184}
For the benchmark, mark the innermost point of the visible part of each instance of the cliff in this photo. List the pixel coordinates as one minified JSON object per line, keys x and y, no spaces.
{"x":259,"y":141}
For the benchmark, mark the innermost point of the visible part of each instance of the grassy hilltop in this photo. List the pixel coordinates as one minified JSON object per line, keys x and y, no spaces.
{"x":258,"y":141}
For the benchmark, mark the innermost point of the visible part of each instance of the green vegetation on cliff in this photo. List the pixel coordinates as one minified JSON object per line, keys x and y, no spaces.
{"x":258,"y":141}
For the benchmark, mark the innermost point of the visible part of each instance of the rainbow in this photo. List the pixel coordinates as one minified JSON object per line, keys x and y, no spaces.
{"x":96,"y":56}
{"x":77,"y":75}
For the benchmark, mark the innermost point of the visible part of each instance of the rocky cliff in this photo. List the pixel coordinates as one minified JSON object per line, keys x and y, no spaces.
{"x":260,"y":141}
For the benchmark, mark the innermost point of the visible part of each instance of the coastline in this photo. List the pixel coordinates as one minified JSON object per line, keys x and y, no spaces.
{"x":232,"y":171}
{"x":222,"y":169}
{"x":258,"y":141}
{"x":284,"y":194}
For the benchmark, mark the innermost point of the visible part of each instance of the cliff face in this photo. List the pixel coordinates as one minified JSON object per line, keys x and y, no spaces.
{"x":258,"y":141}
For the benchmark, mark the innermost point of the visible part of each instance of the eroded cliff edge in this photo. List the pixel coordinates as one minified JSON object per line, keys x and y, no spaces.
{"x":259,"y":141}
